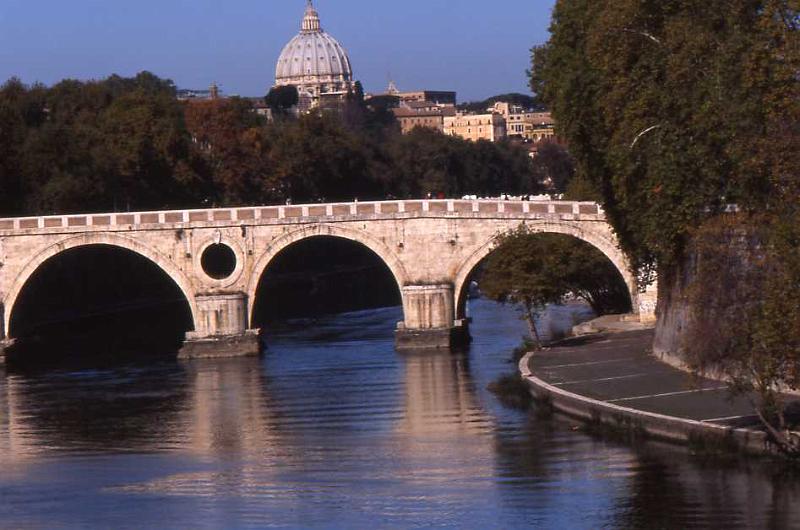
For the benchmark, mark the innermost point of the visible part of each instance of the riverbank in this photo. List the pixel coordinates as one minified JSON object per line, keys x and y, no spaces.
{"x":611,"y":379}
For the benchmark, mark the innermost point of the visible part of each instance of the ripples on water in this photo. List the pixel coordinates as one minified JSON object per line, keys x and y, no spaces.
{"x":334,"y":429}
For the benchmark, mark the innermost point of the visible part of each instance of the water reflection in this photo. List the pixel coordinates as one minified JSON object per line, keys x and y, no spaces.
{"x":440,"y":396}
{"x":230,"y":411}
{"x":697,"y":492}
{"x":333,"y":428}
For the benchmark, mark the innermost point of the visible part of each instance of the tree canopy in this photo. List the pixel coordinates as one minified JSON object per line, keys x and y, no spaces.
{"x":676,"y":113}
{"x":514,"y":98}
{"x":281,"y":99}
{"x":536,"y":269}
{"x":672,"y":109}
{"x":129,"y":144}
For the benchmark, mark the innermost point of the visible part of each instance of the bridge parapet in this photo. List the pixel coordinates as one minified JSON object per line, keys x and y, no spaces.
{"x":431,"y":248}
{"x":556,"y":210}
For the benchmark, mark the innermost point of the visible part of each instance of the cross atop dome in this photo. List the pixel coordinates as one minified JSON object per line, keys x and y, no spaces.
{"x":310,"y":19}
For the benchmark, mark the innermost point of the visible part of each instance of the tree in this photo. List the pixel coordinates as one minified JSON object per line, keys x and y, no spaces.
{"x":232,"y":147}
{"x":514,"y":98}
{"x":536,"y":269}
{"x":16,"y":114}
{"x":315,"y":158}
{"x":674,"y":111}
{"x":88,"y":146}
{"x":427,"y":161}
{"x":383,"y":102}
{"x":553,"y":166}
{"x":281,"y":99}
{"x":742,"y":325}
{"x":661,"y":105}
{"x":357,"y":93}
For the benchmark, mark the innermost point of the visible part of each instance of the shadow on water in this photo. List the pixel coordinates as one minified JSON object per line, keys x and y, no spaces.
{"x":120,"y":408}
{"x":97,"y":305}
{"x":333,"y":428}
{"x":321,"y":276}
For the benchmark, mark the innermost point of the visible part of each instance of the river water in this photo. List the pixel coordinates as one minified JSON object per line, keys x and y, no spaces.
{"x":332,"y":428}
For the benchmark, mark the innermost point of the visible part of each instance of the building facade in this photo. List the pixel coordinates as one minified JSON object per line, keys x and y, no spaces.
{"x":527,"y":124}
{"x":474,"y":127}
{"x":430,"y":117}
{"x":315,"y":63}
{"x":441,"y":98}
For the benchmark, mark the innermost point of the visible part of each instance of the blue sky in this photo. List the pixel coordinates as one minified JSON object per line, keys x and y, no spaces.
{"x":478,"y":48}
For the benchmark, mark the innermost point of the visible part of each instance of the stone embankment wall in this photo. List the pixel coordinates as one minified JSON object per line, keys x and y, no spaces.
{"x":672,"y":315}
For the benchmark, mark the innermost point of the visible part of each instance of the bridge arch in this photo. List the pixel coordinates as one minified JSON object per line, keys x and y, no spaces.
{"x":604,"y":241}
{"x":90,"y":239}
{"x":378,"y":247}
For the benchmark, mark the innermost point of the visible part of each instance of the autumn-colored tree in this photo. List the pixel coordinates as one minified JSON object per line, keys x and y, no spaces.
{"x":128,"y":143}
{"x":234,"y":150}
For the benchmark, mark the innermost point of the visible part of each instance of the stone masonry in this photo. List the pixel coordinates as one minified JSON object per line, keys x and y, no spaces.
{"x":430,"y":246}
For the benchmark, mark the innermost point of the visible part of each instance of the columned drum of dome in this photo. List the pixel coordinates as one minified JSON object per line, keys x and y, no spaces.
{"x":314,"y":62}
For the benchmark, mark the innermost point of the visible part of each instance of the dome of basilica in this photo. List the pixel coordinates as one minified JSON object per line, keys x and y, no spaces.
{"x":314,"y":61}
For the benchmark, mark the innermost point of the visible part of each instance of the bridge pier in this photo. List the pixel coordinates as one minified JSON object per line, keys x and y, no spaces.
{"x":5,"y":342}
{"x":220,"y":329}
{"x":430,"y":319}
{"x":4,"y":345}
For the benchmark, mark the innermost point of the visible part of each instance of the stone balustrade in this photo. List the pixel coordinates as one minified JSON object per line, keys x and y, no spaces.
{"x":565,"y":210}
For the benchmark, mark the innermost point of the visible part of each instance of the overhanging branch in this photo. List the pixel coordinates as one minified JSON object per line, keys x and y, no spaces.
{"x":642,"y":133}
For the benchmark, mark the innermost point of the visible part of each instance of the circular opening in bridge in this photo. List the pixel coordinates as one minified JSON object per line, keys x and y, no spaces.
{"x":218,"y":261}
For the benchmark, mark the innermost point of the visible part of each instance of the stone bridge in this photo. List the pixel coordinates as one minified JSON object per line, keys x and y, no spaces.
{"x":430,"y":246}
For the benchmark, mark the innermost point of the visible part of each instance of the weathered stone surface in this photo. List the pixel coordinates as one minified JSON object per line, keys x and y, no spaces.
{"x":220,"y":347}
{"x":431,"y":248}
{"x":6,"y":347}
{"x":432,"y":339}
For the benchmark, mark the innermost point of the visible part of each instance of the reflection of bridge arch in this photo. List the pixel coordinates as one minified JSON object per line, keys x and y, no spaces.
{"x":604,"y":242}
{"x":378,"y":247}
{"x":97,"y":239}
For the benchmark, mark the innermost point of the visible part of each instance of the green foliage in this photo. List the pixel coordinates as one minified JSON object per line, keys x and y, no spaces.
{"x":673,"y":111}
{"x":661,"y":104}
{"x":554,"y":166}
{"x":127,"y":143}
{"x":582,"y":189}
{"x":426,"y":161}
{"x":317,"y":159}
{"x":383,"y":102}
{"x":281,"y":99}
{"x":514,"y":98}
{"x":536,"y":269}
{"x":512,"y":391}
{"x":77,"y":146}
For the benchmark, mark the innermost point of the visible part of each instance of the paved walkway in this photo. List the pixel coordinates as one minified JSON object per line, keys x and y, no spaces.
{"x":617,"y":368}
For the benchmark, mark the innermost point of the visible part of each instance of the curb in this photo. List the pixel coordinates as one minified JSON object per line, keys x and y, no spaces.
{"x":669,"y":428}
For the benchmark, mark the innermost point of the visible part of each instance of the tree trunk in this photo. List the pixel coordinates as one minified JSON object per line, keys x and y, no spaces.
{"x":530,"y":319}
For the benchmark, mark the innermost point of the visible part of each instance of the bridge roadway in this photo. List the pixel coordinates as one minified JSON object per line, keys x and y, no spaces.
{"x":430,"y":246}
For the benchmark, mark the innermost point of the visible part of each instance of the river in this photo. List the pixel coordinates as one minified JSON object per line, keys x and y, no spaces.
{"x":332,"y":428}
